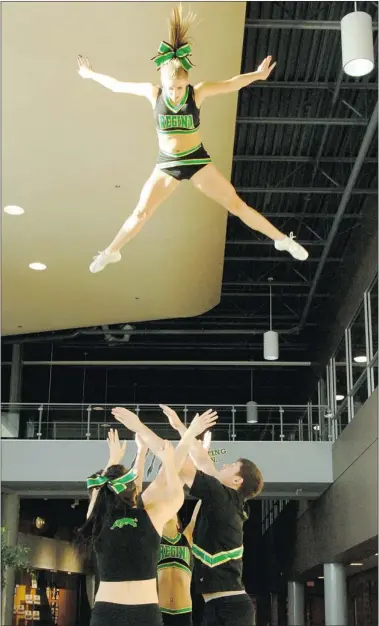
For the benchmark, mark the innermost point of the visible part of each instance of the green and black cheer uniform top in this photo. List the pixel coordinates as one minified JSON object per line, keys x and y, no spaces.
{"x":218,"y":536}
{"x":177,"y":119}
{"x":127,"y":547}
{"x":175,"y":552}
{"x":180,"y":119}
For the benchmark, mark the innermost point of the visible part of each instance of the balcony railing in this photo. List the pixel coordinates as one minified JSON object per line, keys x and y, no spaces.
{"x":91,"y":421}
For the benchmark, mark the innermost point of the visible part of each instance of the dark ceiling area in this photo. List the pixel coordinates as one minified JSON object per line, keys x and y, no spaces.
{"x":305,"y":155}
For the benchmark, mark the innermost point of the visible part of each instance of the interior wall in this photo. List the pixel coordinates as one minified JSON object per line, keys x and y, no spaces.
{"x":76,"y":156}
{"x":346,"y":515}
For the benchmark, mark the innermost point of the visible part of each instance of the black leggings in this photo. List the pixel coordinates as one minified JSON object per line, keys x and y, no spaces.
{"x":229,"y":611}
{"x":111,"y":614}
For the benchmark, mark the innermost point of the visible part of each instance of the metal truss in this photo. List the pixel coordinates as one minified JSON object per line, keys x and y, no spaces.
{"x":275,"y":284}
{"x":297,"y":24}
{"x":254,"y":294}
{"x":307,"y":190}
{"x":278,"y":259}
{"x":297,"y":84}
{"x":285,"y":158}
{"x":347,"y":193}
{"x":268,"y":242}
{"x":298,"y":216}
{"x":304,"y":121}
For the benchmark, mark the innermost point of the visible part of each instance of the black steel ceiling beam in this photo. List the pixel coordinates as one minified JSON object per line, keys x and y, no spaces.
{"x":94,"y":332}
{"x":277,"y":259}
{"x":348,"y":192}
{"x":296,"y":84}
{"x":214,"y":346}
{"x":273,"y":284}
{"x":247,"y":317}
{"x":248,"y":364}
{"x":251,"y":294}
{"x":268,"y":242}
{"x":321,"y":216}
{"x":325,"y":133}
{"x":231,"y":320}
{"x":285,"y":158}
{"x":304,"y":121}
{"x":297,"y":24}
{"x":306,"y":190}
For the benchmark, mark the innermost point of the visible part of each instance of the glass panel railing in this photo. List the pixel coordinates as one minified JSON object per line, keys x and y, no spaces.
{"x":79,"y":421}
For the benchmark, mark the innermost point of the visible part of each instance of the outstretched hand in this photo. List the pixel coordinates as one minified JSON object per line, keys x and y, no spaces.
{"x":173,"y":417}
{"x":202,"y":422}
{"x":85,"y":69}
{"x":127,"y":418}
{"x":265,"y":68}
{"x":116,"y":448}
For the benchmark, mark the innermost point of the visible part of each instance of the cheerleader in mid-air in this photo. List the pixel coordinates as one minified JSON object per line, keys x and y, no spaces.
{"x":176,"y":106}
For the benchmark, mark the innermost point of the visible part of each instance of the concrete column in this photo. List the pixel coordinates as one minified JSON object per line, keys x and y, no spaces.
{"x":335,"y":594}
{"x":11,"y":420}
{"x":10,"y":519}
{"x":295,"y":603}
{"x":16,"y":374}
{"x":274,"y":609}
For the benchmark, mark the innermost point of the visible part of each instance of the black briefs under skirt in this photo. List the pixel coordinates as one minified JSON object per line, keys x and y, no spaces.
{"x":183,"y":165}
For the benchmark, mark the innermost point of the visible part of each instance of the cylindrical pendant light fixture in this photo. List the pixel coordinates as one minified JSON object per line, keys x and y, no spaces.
{"x":270,"y":338}
{"x":271,"y":346}
{"x":357,"y":44}
{"x":251,"y":412}
{"x":251,"y":406}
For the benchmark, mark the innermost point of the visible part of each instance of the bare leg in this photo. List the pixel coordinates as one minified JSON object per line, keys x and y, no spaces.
{"x":154,"y":192}
{"x":214,"y":185}
{"x":156,"y":189}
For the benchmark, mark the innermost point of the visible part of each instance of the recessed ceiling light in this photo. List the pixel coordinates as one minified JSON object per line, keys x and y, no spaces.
{"x":356,"y":564}
{"x":361,"y":358}
{"x":37,"y":266}
{"x":339,"y":397}
{"x":12,"y":209}
{"x":376,"y":554}
{"x":320,"y":577}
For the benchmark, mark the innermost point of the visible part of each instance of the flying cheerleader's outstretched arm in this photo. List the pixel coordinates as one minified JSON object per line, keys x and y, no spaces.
{"x":148,"y":90}
{"x":206,"y":89}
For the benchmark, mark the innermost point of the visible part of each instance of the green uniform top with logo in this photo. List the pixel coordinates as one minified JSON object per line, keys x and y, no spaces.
{"x":175,"y":552}
{"x":180,"y":119}
{"x":218,"y":536}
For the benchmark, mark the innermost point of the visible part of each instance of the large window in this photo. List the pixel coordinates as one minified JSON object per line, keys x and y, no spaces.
{"x":358,"y":345}
{"x":373,"y":306}
{"x":374,"y":315}
{"x":352,"y":372}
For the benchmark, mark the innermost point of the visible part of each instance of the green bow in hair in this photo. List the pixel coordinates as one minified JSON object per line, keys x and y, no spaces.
{"x":167,"y":52}
{"x":118,"y":485}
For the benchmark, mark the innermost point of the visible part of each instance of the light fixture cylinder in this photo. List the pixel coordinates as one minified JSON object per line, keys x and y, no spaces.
{"x":357,"y":44}
{"x":271,"y":345}
{"x":251,"y":412}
